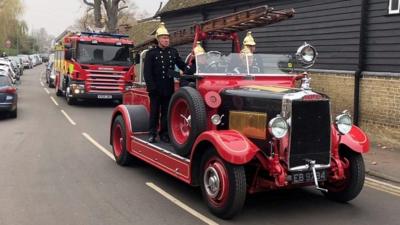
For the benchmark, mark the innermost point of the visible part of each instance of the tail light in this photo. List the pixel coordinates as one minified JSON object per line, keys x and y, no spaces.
{"x":8,"y":90}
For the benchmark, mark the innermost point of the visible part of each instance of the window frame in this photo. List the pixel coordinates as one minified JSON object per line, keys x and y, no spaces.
{"x":391,"y":11}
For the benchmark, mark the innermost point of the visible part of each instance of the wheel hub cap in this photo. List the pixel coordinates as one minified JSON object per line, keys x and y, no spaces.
{"x":212,"y":182}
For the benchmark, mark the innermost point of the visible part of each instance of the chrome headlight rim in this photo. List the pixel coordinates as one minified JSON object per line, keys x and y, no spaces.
{"x":278,"y":127}
{"x":304,"y":57}
{"x":344,"y":123}
{"x":216,"y":119}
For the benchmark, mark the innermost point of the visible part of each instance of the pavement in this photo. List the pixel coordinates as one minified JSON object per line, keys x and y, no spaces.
{"x":383,"y":162}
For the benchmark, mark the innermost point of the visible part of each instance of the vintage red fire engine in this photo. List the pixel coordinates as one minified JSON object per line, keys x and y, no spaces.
{"x":243,"y":125}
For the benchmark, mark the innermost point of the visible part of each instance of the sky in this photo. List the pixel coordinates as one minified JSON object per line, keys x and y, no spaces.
{"x":57,"y":15}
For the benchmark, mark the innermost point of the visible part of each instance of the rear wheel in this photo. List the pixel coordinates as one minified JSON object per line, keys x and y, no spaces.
{"x":223,"y":185}
{"x":122,"y":156}
{"x":349,"y":188}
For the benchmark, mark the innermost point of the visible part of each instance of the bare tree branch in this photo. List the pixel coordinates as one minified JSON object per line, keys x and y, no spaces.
{"x":88,"y":3}
{"x":123,"y":7}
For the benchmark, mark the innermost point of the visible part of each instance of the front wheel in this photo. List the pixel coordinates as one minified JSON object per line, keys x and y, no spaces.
{"x":349,"y":188}
{"x":122,"y":156}
{"x":70,"y":100}
{"x":223,"y":185}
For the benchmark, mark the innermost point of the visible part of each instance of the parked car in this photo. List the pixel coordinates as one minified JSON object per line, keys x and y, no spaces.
{"x":19,"y":64}
{"x":26,"y":61}
{"x":50,"y":74}
{"x":8,"y":96}
{"x":7,"y":63}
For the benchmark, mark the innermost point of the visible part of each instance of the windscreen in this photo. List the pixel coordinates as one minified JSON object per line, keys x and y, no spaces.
{"x":103,"y":54}
{"x":242,"y":64}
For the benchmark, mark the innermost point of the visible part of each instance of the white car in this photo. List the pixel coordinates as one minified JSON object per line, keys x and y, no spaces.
{"x":9,"y":72}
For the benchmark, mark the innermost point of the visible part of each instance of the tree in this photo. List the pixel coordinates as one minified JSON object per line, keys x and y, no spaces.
{"x":112,"y":9}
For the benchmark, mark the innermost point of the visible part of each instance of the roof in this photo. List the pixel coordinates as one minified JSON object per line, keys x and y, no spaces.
{"x":174,"y":5}
{"x":142,"y":30}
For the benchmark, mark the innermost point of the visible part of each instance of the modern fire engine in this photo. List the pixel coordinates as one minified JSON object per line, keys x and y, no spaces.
{"x":92,"y":66}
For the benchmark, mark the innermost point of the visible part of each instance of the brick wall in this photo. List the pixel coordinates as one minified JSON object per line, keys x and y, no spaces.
{"x":379,"y":102}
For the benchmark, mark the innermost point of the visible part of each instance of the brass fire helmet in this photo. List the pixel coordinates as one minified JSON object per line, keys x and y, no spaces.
{"x":249,"y":40}
{"x":161,"y":30}
{"x":198,"y":49}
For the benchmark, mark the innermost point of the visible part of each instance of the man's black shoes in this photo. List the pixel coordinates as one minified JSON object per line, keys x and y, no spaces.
{"x":152,"y":139}
{"x":165,"y":138}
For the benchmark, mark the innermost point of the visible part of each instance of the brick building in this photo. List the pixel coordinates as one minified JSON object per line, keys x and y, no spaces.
{"x":358,"y":43}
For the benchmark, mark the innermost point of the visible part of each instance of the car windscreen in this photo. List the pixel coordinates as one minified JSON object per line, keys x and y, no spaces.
{"x":103,"y":54}
{"x":243,"y":64}
{"x":4,"y":81}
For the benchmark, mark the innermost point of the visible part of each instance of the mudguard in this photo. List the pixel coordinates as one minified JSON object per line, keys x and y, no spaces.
{"x":356,"y":139}
{"x":136,"y":120}
{"x":231,"y":145}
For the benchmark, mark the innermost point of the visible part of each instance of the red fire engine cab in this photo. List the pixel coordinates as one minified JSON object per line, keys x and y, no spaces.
{"x":93,"y":66}
{"x":248,"y":122}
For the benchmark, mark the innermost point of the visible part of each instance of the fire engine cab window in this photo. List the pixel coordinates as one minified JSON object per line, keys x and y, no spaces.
{"x":103,"y":54}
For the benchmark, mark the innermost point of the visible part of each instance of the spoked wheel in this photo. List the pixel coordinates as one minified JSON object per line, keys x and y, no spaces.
{"x":223,"y":185}
{"x":349,"y":188}
{"x":187,"y":119}
{"x":122,"y":156}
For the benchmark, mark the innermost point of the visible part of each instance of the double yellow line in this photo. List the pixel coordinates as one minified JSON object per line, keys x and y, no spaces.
{"x":382,"y":186}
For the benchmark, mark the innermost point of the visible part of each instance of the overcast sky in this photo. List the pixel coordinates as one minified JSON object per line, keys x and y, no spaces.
{"x":57,"y":15}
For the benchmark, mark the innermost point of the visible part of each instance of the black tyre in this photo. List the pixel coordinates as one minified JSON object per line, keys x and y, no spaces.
{"x":186,"y":119}
{"x":70,"y":100}
{"x":348,"y":189}
{"x":223,"y":185}
{"x":122,"y":156}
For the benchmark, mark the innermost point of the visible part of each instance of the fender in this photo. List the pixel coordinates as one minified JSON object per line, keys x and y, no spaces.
{"x":231,"y":145}
{"x":356,"y":139}
{"x":123,"y":110}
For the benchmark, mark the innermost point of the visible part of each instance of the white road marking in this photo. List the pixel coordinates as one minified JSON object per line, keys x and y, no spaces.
{"x":99,"y":146}
{"x":68,"y":118}
{"x":55,"y":102}
{"x":41,"y":83}
{"x":46,"y":90}
{"x":382,"y":186}
{"x":181,"y":204}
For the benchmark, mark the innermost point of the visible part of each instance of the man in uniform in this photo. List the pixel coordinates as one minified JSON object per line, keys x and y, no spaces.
{"x":159,"y":70}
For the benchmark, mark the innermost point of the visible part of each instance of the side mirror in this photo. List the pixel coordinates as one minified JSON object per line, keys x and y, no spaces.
{"x":136,"y":58}
{"x":68,"y":54}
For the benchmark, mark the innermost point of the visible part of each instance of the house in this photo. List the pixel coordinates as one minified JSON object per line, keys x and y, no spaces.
{"x":358,"y":43}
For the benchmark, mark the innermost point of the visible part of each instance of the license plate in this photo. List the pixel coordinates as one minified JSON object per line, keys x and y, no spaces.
{"x":104,"y":96}
{"x":307,"y":177}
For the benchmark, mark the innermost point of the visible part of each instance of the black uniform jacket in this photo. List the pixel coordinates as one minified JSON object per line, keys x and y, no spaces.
{"x":159,"y":66}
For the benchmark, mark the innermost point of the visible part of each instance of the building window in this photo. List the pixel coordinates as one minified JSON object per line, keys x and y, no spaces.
{"x":394,"y":6}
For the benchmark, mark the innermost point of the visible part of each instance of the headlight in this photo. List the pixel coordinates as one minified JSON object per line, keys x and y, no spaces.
{"x":278,"y":127}
{"x":306,"y":55}
{"x":9,"y":97}
{"x":216,"y":119}
{"x":344,"y":123}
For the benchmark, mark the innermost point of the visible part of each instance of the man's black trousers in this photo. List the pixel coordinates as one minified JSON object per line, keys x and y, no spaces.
{"x":158,"y":103}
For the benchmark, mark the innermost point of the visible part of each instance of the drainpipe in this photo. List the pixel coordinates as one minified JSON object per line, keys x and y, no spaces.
{"x":361,"y":59}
